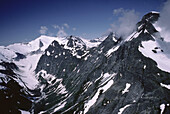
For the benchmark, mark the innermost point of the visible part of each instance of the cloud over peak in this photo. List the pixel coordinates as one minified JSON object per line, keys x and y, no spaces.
{"x":126,"y":22}
{"x":61,"y":29}
{"x":43,"y":30}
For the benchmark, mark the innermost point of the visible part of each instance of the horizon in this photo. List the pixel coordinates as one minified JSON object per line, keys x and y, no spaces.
{"x":24,"y":21}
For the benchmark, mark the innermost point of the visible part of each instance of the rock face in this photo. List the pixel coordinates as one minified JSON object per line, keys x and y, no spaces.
{"x":114,"y":77}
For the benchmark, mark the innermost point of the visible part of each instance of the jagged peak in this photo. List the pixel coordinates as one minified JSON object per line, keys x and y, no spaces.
{"x":150,"y":17}
{"x":145,"y":25}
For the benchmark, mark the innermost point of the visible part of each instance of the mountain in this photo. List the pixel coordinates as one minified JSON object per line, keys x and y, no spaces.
{"x":72,"y":75}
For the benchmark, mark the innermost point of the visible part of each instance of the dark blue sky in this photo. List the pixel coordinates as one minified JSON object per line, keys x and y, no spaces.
{"x":20,"y":20}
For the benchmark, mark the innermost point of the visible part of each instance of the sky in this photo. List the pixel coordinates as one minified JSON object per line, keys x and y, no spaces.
{"x":25,"y":20}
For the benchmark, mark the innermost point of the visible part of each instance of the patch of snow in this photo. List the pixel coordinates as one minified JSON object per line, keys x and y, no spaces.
{"x":100,"y":51}
{"x":166,"y":86}
{"x":106,"y":77}
{"x":74,"y":68}
{"x":24,"y":112}
{"x":112,"y":50}
{"x":46,"y":76}
{"x":132,"y":36}
{"x":95,"y":97}
{"x":56,"y":56}
{"x":48,"y":53}
{"x":139,"y":28}
{"x":108,"y":102}
{"x":162,"y":58}
{"x":42,"y":112}
{"x":154,"y":12}
{"x":2,"y":68}
{"x":79,"y":57}
{"x":126,"y":88}
{"x":114,"y":39}
{"x":87,"y":57}
{"x":53,"y":44}
{"x":122,"y":109}
{"x":162,"y":107}
{"x":145,"y":31}
{"x":144,"y":67}
{"x":61,"y":106}
{"x":136,"y":35}
{"x":86,"y":86}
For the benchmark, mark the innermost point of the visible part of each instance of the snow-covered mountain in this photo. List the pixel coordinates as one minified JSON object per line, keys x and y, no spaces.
{"x":72,"y":75}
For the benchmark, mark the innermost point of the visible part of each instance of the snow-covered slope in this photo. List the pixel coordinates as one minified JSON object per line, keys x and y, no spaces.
{"x":157,"y":50}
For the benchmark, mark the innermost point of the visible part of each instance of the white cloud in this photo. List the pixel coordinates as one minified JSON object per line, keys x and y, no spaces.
{"x":61,"y":33}
{"x":118,"y":11}
{"x":126,"y":22}
{"x":74,"y":29}
{"x":66,"y":25}
{"x":61,"y":29}
{"x":55,"y":26}
{"x":164,"y":21}
{"x":43,"y":30}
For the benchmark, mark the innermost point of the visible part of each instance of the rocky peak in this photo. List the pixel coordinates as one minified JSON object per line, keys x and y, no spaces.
{"x":75,"y":42}
{"x":150,"y":17}
{"x":146,"y":23}
{"x":109,"y":42}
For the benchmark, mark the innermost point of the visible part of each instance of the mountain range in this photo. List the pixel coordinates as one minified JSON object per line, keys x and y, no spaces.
{"x":73,"y":75}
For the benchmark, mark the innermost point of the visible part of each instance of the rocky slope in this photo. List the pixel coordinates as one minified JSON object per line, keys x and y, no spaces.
{"x":115,"y":77}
